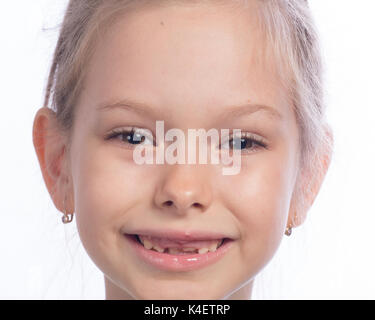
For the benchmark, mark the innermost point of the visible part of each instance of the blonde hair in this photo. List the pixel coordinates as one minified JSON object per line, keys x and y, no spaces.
{"x":289,"y":30}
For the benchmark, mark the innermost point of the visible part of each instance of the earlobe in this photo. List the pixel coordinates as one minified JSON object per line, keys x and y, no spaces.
{"x":49,"y":145}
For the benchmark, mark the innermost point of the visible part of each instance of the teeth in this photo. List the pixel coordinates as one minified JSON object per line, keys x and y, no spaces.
{"x":149,"y":245}
{"x":173,"y":251}
{"x":203,"y":250}
{"x":157,"y":248}
{"x":214,"y":246}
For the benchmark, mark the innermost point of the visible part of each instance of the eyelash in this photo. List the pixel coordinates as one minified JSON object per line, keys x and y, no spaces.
{"x":250,"y":138}
{"x":125,"y":132}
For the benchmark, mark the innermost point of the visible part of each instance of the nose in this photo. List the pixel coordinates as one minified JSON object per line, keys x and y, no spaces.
{"x":184,"y":188}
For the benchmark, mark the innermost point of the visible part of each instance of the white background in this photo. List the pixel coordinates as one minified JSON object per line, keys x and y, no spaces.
{"x":331,"y":256}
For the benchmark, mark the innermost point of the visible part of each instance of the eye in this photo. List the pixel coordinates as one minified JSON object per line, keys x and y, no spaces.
{"x":132,"y":136}
{"x":246,"y":142}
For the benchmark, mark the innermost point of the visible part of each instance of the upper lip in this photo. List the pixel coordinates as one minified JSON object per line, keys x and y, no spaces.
{"x":192,"y":235}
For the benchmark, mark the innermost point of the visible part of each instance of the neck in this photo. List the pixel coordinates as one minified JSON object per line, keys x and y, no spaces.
{"x":244,"y":293}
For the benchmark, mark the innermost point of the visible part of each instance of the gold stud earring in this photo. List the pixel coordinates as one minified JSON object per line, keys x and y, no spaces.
{"x":67,"y":217}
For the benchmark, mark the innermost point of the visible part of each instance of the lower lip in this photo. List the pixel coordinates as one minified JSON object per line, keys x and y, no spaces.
{"x":174,"y":262}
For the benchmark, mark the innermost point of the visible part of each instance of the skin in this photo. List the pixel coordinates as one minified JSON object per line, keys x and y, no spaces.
{"x":189,"y":65}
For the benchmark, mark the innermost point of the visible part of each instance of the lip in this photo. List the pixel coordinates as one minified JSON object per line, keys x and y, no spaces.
{"x":183,"y":262}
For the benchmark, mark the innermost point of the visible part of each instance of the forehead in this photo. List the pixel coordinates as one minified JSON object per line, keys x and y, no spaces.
{"x":182,"y":56}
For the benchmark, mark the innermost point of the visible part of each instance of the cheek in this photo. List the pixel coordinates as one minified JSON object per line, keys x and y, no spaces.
{"x":107,"y":185}
{"x":260,"y":202}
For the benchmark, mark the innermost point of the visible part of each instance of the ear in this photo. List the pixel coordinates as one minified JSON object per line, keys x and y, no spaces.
{"x":309,"y":183}
{"x":50,"y":145}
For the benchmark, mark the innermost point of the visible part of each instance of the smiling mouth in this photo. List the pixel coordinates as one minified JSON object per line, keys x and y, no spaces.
{"x":179,"y":247}
{"x":176,"y":251}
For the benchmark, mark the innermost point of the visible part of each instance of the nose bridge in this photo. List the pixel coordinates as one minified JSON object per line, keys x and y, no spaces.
{"x":183,"y":188}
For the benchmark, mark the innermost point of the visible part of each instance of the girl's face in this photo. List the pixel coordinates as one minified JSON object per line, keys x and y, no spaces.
{"x":192,"y":67}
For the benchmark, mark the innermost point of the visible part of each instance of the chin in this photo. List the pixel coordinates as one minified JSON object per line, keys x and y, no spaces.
{"x":183,"y":292}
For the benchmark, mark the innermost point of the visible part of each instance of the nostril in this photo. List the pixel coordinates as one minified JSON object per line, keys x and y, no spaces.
{"x":169,"y":203}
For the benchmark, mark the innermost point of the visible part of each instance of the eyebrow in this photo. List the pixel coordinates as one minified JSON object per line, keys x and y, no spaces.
{"x":229,"y":112}
{"x":237,"y":111}
{"x":128,"y":104}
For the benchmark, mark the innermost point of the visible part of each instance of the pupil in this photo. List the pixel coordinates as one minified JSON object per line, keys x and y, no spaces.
{"x":130,"y":138}
{"x":239,"y":143}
